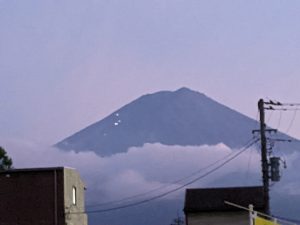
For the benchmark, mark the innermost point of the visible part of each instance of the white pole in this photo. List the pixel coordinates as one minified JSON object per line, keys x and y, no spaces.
{"x":251,"y":214}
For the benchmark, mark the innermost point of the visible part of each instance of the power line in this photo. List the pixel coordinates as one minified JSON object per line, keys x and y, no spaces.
{"x":269,"y":117}
{"x":291,"y":122}
{"x":166,"y":185}
{"x":173,"y":190}
{"x":274,"y":105}
{"x":282,"y":109}
{"x":277,"y":103}
{"x":248,"y":165}
{"x":279,"y":120}
{"x":290,"y":104}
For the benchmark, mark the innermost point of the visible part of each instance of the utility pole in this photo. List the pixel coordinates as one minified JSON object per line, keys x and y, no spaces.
{"x":264,"y":159}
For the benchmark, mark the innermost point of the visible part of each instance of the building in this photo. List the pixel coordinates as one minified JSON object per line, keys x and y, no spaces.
{"x":42,"y":196}
{"x":207,"y":206}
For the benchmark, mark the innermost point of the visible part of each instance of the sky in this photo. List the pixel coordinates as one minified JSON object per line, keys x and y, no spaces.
{"x":67,"y":64}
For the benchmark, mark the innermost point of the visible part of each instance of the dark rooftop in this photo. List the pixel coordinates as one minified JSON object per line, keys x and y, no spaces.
{"x":212,"y":199}
{"x":41,"y":169}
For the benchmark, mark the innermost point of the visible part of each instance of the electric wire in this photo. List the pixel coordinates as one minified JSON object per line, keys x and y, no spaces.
{"x":280,"y":108}
{"x":269,"y":117}
{"x":276,"y":105}
{"x":291,"y":122}
{"x":160,"y":187}
{"x":254,"y":137}
{"x":279,"y":120}
{"x":173,"y":190}
{"x":166,"y":185}
{"x":255,"y":126}
{"x":290,"y":104}
{"x":248,"y":165}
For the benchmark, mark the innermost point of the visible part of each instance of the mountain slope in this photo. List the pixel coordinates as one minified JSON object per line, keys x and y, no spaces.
{"x":183,"y":117}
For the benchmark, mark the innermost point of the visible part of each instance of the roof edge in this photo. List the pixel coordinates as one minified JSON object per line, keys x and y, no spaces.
{"x":35,"y":169}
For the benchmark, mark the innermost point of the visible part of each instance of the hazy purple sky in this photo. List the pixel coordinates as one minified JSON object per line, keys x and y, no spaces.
{"x":67,"y":64}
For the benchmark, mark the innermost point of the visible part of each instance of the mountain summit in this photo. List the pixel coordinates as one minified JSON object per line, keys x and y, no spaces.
{"x":183,"y":117}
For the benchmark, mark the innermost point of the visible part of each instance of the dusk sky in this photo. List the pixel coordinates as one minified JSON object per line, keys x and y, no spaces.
{"x":67,"y":64}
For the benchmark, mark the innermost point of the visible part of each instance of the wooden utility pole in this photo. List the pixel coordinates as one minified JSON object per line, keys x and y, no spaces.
{"x":264,"y":159}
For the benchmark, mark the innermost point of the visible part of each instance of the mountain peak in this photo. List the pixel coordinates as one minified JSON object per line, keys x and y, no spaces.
{"x":187,"y":94}
{"x":185,"y":90}
{"x":182,"y":117}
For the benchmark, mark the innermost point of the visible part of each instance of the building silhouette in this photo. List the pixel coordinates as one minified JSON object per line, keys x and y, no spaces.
{"x":207,"y":205}
{"x":42,"y":196}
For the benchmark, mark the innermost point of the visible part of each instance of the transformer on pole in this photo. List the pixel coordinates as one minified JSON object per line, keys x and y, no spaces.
{"x":270,"y":166}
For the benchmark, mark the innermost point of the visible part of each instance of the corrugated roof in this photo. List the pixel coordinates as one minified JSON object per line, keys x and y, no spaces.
{"x":212,"y":199}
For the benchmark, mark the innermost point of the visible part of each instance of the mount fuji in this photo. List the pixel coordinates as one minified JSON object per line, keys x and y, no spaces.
{"x":172,"y":118}
{"x":183,"y":117}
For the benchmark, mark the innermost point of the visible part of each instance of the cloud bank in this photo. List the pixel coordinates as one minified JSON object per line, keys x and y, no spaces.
{"x":141,"y":169}
{"x":153,"y":169}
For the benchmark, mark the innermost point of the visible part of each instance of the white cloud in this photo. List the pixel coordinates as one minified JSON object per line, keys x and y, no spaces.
{"x":140,"y":170}
{"x":148,"y":171}
{"x":289,"y":183}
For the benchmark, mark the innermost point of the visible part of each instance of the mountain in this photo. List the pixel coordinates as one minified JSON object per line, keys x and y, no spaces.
{"x":183,"y":117}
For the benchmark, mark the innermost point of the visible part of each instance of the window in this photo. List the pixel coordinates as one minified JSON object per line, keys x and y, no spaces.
{"x":74,"y":196}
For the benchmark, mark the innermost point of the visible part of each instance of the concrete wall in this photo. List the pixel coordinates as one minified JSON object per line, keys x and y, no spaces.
{"x":218,"y":218}
{"x":74,"y":212}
